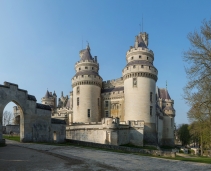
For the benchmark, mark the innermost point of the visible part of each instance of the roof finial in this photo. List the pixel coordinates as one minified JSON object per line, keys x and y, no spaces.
{"x":142,"y":23}
{"x":87,"y":47}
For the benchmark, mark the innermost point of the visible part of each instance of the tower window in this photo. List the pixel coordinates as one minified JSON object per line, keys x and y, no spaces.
{"x":79,"y":69}
{"x":149,"y":67}
{"x":134,"y":82}
{"x":150,"y":111}
{"x":88,"y":113}
{"x":106,"y":103}
{"x":150,"y":96}
{"x":142,"y":66}
{"x":77,"y":101}
{"x":106,"y":113}
{"x":147,"y":57}
{"x":134,"y":66}
{"x":127,"y":68}
{"x":92,"y":68}
{"x":131,"y":58}
{"x":139,"y":56}
{"x":86,"y":67}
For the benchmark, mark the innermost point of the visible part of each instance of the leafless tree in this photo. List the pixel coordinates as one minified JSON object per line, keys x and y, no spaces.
{"x":7,"y":118}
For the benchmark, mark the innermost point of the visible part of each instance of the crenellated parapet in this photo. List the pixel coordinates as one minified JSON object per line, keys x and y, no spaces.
{"x":119,"y":82}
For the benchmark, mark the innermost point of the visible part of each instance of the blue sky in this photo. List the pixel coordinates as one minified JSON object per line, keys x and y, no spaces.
{"x":40,"y":40}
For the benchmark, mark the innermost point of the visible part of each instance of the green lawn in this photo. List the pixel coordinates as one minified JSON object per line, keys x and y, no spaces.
{"x":14,"y":138}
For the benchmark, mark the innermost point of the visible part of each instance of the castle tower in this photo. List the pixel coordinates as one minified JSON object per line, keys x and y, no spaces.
{"x":49,"y":99}
{"x":86,"y":86}
{"x":168,"y":118}
{"x":140,"y":78}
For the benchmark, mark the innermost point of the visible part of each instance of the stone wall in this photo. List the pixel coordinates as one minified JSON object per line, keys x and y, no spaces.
{"x":13,"y":129}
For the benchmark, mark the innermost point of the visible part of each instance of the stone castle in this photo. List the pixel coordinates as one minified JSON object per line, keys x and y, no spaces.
{"x":130,"y":109}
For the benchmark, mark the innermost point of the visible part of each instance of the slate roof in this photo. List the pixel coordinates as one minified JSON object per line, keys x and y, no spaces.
{"x":47,"y":94}
{"x":112,"y":89}
{"x":57,"y":121}
{"x":87,"y":72}
{"x":163,"y":93}
{"x":42,"y":106}
{"x":141,"y":42}
{"x":85,"y":54}
{"x":140,"y":62}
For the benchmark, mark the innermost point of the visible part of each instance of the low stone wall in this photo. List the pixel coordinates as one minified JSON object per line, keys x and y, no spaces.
{"x":125,"y":149}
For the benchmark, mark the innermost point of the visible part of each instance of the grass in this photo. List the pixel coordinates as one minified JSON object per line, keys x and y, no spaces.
{"x":14,"y":138}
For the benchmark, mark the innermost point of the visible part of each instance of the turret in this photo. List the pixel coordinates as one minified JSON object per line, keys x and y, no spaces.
{"x":86,"y":86}
{"x":49,"y":99}
{"x":140,"y":78}
{"x":169,"y":115}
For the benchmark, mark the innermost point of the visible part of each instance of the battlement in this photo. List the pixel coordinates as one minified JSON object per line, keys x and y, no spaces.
{"x":86,"y":61}
{"x":137,"y":124}
{"x":113,"y":83}
{"x":132,"y":49}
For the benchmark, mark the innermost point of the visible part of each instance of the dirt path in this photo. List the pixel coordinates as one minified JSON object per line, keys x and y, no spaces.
{"x":103,"y":160}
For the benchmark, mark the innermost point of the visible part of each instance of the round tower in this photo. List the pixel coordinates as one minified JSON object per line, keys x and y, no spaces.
{"x":140,"y":78}
{"x":86,"y":86}
{"x":168,"y":122}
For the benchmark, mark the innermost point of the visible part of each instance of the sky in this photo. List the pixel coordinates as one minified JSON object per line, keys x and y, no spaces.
{"x":40,"y":41}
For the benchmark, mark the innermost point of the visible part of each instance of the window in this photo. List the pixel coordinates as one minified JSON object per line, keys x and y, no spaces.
{"x":147,"y":57}
{"x":79,"y":69}
{"x":78,"y":90}
{"x":150,"y":96}
{"x":149,"y":68}
{"x":82,"y":75}
{"x":127,"y":68}
{"x":150,"y":110}
{"x":142,"y":66}
{"x":134,"y":66}
{"x":77,"y":101}
{"x":88,"y":113}
{"x":92,"y":68}
{"x":106,"y":103}
{"x":134,"y":82}
{"x":139,"y":56}
{"x":86,"y":67}
{"x":131,"y":58}
{"x":106,"y":113}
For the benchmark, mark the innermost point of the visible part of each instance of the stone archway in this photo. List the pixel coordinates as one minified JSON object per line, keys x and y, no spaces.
{"x":35,"y":118}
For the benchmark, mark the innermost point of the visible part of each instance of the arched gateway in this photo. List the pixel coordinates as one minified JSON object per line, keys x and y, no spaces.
{"x":36,"y":124}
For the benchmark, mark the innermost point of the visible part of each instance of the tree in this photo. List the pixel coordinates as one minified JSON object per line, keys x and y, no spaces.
{"x":184,"y":134}
{"x":7,"y":118}
{"x":197,"y":92}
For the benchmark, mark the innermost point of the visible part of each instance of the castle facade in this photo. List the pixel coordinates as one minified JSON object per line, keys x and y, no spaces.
{"x":130,"y":109}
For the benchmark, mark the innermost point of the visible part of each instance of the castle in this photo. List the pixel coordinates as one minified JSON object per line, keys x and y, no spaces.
{"x":130,"y":109}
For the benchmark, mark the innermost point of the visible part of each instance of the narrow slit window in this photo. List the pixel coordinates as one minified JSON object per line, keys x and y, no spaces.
{"x":88,"y":113}
{"x":77,"y":101}
{"x":150,"y":110}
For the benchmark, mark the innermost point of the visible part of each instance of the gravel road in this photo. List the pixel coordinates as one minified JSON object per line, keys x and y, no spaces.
{"x":48,"y":157}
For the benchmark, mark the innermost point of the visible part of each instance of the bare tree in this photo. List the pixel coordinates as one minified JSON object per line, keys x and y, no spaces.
{"x":7,"y":118}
